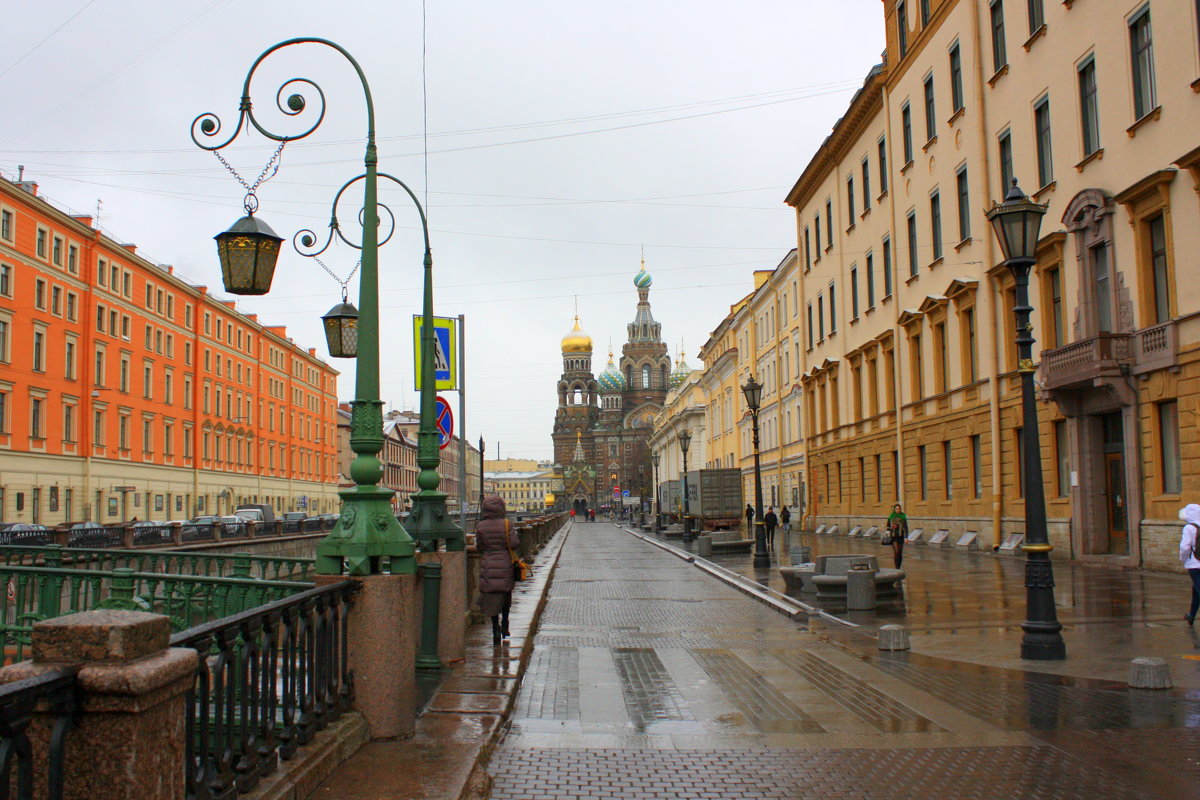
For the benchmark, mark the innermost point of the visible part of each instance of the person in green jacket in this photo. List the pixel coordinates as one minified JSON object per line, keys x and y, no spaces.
{"x":897,"y":526}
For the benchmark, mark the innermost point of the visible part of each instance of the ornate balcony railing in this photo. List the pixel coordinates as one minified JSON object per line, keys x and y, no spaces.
{"x":1080,"y":362}
{"x":268,"y":679}
{"x":1155,"y":347}
{"x":41,"y":778}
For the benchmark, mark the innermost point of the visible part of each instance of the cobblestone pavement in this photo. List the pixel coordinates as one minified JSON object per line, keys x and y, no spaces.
{"x":649,"y":679}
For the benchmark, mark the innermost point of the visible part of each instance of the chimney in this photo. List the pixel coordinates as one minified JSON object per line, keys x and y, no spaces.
{"x":28,"y":186}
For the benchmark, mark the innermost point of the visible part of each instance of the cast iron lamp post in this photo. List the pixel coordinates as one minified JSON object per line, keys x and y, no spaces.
{"x":685,"y":441}
{"x":367,"y":531}
{"x":1016,"y":223}
{"x":654,"y":462}
{"x":753,"y":392}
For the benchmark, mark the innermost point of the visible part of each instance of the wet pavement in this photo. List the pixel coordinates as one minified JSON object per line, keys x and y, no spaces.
{"x":650,"y":679}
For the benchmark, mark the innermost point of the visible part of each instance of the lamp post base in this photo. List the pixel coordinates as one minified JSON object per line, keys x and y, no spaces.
{"x":1042,"y":645}
{"x":366,"y":532}
{"x":430,"y":521}
{"x":762,"y":559}
{"x":1043,"y":632}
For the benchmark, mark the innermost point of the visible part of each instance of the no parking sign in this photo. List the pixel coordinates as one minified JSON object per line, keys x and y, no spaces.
{"x":444,"y":422}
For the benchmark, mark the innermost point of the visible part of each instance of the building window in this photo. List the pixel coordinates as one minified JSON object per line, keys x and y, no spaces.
{"x":999,"y":54}
{"x":956,"y":84}
{"x":1041,"y":124}
{"x":98,"y":428}
{"x":3,"y":411}
{"x":829,"y":223}
{"x":1089,"y":107}
{"x":1006,"y":162}
{"x":68,"y":432}
{"x":923,"y":466}
{"x":870,"y":280}
{"x":969,"y":345}
{"x":963,"y":190}
{"x":947,"y":469}
{"x":913,"y":265}
{"x":56,"y":300}
{"x":930,"y":110}
{"x":942,"y":351}
{"x":73,"y":259}
{"x":883,"y":176}
{"x":6,"y":225}
{"x":853,"y":292}
{"x":866,"y":185}
{"x":887,"y":266}
{"x":1103,"y":288}
{"x":43,"y":244}
{"x":4,"y":323}
{"x":37,"y":420}
{"x":935,"y":223}
{"x":72,"y":306}
{"x":39,"y":351}
{"x":1156,"y":229}
{"x":850,"y":197}
{"x":39,"y":294}
{"x":1141,"y":45}
{"x":917,"y":366}
{"x":1037,"y":16}
{"x":820,"y":318}
{"x":832,"y":308}
{"x":906,"y":129}
{"x":817,"y":229}
{"x":6,"y":280}
{"x":902,"y":27}
{"x":56,"y":251}
{"x":1168,"y":441}
{"x":924,"y":13}
{"x":807,"y":250}
{"x":1062,"y":459}
{"x":977,"y":465}
{"x":69,"y":360}
{"x":810,"y":326}
{"x":1054,"y":286}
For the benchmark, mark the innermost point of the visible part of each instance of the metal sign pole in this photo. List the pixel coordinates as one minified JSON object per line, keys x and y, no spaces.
{"x":462,"y":423}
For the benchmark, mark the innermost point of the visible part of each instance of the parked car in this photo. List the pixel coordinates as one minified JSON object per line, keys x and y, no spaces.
{"x":234,"y":524}
{"x":199,"y":527}
{"x":259,"y":512}
{"x":24,"y":533}
{"x":92,"y":534}
{"x":294,"y":516}
{"x":151,"y":532}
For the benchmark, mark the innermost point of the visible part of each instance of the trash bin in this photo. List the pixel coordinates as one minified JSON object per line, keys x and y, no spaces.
{"x":860,"y":588}
{"x":704,"y":545}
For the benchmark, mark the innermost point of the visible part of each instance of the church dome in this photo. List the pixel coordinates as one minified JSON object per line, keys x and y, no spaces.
{"x":576,"y":341}
{"x":680,"y":373}
{"x":642,"y":280}
{"x":611,"y":380}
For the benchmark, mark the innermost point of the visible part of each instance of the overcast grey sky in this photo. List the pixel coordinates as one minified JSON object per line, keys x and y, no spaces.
{"x":563,"y":138}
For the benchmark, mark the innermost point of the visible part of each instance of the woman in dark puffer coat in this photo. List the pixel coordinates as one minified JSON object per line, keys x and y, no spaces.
{"x":496,"y":540}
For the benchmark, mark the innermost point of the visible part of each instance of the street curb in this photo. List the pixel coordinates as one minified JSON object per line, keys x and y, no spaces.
{"x":788,"y":606}
{"x":479,"y":783}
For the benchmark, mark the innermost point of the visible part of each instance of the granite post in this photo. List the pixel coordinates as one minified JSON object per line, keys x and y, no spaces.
{"x":128,"y":742}
{"x":382,"y":638}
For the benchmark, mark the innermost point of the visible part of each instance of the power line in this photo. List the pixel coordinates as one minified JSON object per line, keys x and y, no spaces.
{"x":48,"y":37}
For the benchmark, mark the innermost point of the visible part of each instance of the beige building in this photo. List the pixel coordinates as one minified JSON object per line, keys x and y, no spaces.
{"x":907,"y":353}
{"x":684,"y":410}
{"x":526,"y":490}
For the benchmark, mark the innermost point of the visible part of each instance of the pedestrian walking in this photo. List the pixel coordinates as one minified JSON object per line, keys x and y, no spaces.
{"x":785,"y":519}
{"x":591,"y":515}
{"x":750,"y":518}
{"x":496,"y":541}
{"x":770,"y":520}
{"x":1190,"y":515}
{"x":572,"y":515}
{"x":897,"y":528}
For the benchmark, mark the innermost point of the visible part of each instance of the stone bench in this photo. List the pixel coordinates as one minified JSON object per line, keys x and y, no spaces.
{"x":871,"y":533}
{"x":821,"y":530}
{"x":829,"y":578}
{"x":914,"y":536}
{"x":855,"y":531}
{"x":833,"y":529}
{"x":799,"y":578}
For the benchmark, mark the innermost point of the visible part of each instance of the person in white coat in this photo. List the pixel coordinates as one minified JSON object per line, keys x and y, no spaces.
{"x":1187,"y":554}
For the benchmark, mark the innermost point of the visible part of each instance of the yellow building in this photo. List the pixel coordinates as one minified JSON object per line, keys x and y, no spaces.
{"x":526,"y":490}
{"x":908,"y":362}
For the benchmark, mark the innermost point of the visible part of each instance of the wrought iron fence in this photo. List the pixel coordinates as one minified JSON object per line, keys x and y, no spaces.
{"x":176,"y":562}
{"x":268,"y":680}
{"x":30,"y":594}
{"x":19,"y":770}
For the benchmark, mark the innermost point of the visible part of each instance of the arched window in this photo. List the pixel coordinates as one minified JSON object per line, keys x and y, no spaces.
{"x":663,"y":376}
{"x":577,"y":397}
{"x":645,"y":376}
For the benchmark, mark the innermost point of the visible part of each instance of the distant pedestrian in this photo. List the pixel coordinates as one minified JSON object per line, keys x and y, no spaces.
{"x":897,"y":528}
{"x":572,"y":514}
{"x":1187,"y":555}
{"x":749,"y":515}
{"x":496,"y":541}
{"x":785,"y":518}
{"x":591,"y":515}
{"x":770,"y":521}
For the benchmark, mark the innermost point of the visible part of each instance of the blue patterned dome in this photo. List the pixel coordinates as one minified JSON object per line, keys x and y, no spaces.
{"x":680,"y":373}
{"x":611,"y":380}
{"x":642,"y":280}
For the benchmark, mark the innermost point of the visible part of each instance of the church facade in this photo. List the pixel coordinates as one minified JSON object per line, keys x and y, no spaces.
{"x":603,"y":421}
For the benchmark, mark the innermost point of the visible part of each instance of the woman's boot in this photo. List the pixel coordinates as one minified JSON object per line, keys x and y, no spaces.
{"x":504,"y":624}
{"x":495,"y":630}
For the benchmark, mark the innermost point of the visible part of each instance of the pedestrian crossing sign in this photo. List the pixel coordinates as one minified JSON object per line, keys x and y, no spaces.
{"x":445,"y":360}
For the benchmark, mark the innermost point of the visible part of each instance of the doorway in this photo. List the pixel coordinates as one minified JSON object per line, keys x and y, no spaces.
{"x":1115,"y":498}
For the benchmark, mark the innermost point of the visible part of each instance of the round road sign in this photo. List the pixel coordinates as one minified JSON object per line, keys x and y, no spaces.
{"x":444,"y":422}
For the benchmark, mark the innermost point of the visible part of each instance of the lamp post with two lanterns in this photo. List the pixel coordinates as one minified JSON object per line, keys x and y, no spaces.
{"x":753,"y":392}
{"x":367,"y":531}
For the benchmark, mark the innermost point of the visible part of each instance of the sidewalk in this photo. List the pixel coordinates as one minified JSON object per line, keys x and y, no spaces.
{"x":649,"y":678}
{"x":969,"y":606}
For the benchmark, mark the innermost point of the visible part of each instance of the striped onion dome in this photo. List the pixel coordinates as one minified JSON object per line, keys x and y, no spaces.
{"x":611,"y":380}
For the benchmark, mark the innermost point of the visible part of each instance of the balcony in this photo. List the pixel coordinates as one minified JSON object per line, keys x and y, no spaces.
{"x":1107,"y":355}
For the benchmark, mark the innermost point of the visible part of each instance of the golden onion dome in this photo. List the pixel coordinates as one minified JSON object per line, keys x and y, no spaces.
{"x":576,"y":341}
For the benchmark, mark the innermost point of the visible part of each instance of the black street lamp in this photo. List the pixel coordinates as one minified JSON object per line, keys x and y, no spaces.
{"x":753,"y":392}
{"x":1016,"y":223}
{"x":685,"y":441}
{"x":657,"y":527}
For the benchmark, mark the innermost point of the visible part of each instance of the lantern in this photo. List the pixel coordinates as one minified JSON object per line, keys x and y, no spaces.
{"x":248,"y":252}
{"x":1016,"y":222}
{"x":341,"y":330}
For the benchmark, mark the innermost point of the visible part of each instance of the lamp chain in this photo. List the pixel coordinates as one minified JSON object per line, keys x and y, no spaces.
{"x":269,"y":171}
{"x":334,"y":275}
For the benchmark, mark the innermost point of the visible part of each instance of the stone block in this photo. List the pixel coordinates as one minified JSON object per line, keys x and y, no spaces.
{"x":893,"y":637}
{"x":939,"y":538}
{"x":1012,"y":544}
{"x":100,"y":636}
{"x":871,"y":533}
{"x":820,"y":530}
{"x":915,"y":535}
{"x":800,"y":554}
{"x":704,"y":545}
{"x":1149,"y":673}
{"x":855,"y":531}
{"x":968,"y":541}
{"x":833,"y":529}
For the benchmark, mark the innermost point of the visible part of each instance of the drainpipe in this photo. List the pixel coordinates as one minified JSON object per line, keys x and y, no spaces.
{"x":897,"y":408}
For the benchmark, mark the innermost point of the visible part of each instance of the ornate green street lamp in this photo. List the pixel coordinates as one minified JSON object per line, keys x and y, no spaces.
{"x":368,"y":531}
{"x":685,"y":441}
{"x":1016,"y":223}
{"x":753,"y":391}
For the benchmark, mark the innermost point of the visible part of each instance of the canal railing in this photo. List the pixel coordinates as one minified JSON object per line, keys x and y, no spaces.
{"x":181,"y":562}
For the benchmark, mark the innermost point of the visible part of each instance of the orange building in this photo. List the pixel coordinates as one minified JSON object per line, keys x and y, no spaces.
{"x":127,"y":392}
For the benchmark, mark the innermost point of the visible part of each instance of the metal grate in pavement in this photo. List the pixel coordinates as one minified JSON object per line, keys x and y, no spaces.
{"x":550,"y":689}
{"x":765,"y":707}
{"x":650,"y":693}
{"x":857,"y":696}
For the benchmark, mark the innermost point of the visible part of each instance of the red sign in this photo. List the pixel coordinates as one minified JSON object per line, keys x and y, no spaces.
{"x":444,"y":422}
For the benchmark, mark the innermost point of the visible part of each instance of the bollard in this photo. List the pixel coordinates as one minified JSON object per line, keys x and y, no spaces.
{"x":1149,"y":673}
{"x":893,"y":637}
{"x":431,"y":586}
{"x":704,"y":545}
{"x":860,"y":588}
